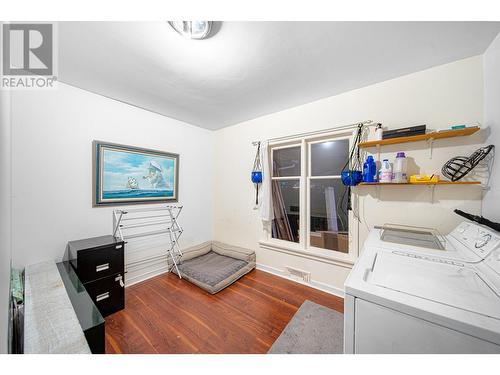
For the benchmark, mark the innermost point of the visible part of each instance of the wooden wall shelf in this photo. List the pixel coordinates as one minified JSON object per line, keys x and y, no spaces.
{"x":420,"y":183}
{"x":423,"y":137}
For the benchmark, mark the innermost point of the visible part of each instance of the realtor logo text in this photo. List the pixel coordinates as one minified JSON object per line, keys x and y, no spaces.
{"x":27,"y":56}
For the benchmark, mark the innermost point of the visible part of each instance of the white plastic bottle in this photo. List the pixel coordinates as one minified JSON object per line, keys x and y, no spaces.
{"x":378,"y":132}
{"x":399,"y":172}
{"x":385,"y":175}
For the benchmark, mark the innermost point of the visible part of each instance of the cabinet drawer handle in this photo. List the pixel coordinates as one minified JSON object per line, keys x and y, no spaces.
{"x":102,"y":267}
{"x":100,"y":297}
{"x":119,"y":278}
{"x":119,"y":247}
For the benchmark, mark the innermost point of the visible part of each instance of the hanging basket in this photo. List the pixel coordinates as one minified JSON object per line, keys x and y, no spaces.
{"x":256,"y":175}
{"x":351,"y":178}
{"x":351,"y":174}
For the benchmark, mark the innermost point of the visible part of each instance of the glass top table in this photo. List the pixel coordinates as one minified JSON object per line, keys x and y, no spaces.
{"x":85,"y":309}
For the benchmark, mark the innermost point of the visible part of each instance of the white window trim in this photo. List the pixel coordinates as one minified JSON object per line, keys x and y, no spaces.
{"x":303,"y":249}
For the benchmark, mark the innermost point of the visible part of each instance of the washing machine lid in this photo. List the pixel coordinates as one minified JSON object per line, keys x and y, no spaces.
{"x":412,"y":236}
{"x":442,"y":281}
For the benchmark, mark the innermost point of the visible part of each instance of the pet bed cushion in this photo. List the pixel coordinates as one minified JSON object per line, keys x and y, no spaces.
{"x":213,"y":265}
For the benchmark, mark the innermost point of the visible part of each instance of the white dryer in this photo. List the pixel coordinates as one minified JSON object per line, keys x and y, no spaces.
{"x":413,"y":291}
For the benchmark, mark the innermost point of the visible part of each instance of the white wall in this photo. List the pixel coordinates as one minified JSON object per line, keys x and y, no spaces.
{"x":53,"y":132}
{"x":441,"y":96}
{"x":5,"y":224}
{"x":491,"y":58}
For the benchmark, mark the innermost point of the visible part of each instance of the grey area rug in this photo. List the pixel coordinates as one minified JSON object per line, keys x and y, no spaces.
{"x":314,"y":329}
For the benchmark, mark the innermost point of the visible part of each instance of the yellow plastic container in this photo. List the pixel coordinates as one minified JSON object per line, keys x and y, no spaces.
{"x":423,"y":179}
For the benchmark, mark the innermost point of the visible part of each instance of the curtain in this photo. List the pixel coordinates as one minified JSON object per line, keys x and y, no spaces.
{"x":281,"y":222}
{"x":265,"y":203}
{"x":331,"y":209}
{"x":271,"y":205}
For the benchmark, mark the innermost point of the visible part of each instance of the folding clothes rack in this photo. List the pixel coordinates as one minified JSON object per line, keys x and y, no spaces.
{"x":164,"y":217}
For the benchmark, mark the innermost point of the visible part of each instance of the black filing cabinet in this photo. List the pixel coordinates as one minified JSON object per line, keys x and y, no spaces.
{"x":99,"y":264}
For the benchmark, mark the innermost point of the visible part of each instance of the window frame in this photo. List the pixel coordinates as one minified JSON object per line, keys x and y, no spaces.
{"x":289,"y":178}
{"x":303,"y":247}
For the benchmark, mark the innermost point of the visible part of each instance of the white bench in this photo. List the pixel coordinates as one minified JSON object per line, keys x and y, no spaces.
{"x":50,"y":322}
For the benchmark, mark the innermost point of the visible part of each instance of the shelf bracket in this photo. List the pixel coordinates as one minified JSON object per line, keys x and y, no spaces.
{"x":430,"y":141}
{"x":432,"y":193}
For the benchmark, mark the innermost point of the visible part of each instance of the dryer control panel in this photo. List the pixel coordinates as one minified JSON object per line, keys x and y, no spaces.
{"x":482,"y":241}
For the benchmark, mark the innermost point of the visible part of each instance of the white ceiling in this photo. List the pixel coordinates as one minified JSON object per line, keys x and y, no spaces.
{"x":249,"y":69}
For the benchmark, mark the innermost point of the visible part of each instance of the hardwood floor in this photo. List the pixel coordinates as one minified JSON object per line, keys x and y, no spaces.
{"x":168,"y":315}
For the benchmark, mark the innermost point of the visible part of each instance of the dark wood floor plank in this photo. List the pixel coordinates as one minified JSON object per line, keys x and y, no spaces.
{"x":163,"y":333}
{"x":206,"y":319}
{"x":226,"y":322}
{"x":168,"y":315}
{"x":124,"y":332}
{"x":254,"y":314}
{"x":111,"y":346}
{"x":185,"y":320}
{"x":302,"y":291}
{"x":268,"y":311}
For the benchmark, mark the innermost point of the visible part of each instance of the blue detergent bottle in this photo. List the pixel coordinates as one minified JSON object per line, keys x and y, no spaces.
{"x":369,"y":170}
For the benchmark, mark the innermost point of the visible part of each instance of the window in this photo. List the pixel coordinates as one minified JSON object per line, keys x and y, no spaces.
{"x":310,"y":203}
{"x":286,"y":193}
{"x":328,"y":223}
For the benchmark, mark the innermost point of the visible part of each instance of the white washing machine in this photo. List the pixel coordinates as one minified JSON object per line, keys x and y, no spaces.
{"x":414,"y":291}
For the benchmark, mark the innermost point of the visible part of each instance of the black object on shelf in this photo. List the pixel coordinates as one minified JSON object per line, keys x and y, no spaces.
{"x":404,"y":132}
{"x":91,"y":320}
{"x":479,"y":219}
{"x":99,"y":264}
{"x":458,"y":167}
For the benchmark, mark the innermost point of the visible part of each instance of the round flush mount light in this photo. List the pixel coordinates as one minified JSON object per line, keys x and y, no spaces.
{"x":192,"y":29}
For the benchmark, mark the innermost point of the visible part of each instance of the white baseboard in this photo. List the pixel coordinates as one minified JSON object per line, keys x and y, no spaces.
{"x":313,"y":284}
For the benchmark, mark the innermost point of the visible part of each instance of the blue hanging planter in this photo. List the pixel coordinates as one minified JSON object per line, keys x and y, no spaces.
{"x":351,"y":178}
{"x":257,"y":177}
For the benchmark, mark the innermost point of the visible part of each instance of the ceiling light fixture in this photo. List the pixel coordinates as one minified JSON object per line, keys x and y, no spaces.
{"x":192,"y":29}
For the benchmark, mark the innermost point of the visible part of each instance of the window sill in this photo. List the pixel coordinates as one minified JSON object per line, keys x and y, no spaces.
{"x":295,"y":249}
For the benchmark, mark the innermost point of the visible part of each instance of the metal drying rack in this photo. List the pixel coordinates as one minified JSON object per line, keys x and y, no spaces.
{"x":164,"y":217}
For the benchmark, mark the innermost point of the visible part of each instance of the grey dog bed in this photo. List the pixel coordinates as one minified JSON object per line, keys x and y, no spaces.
{"x":213,"y":265}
